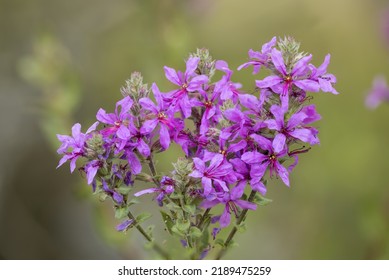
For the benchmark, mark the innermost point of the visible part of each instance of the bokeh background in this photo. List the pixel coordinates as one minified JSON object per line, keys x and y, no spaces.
{"x":60,"y":61}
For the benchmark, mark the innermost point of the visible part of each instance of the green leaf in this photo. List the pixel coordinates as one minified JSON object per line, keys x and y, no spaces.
{"x":220,"y":242}
{"x":142,"y":217}
{"x":168,"y":221}
{"x":133,"y":201}
{"x":191,"y":209}
{"x":177,"y":231}
{"x":183,"y":225}
{"x":124,"y":190}
{"x":122,"y":212}
{"x":175,"y":195}
{"x":195,"y":232}
{"x":261,"y":201}
{"x":241,"y":227}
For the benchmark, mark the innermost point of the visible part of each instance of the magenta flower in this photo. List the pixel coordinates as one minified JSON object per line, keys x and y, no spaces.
{"x":260,"y":162}
{"x":160,"y":115}
{"x":324,"y":79}
{"x":283,"y":82}
{"x":293,"y":128}
{"x":379,"y":93}
{"x":188,"y":82}
{"x":166,"y":187}
{"x":259,"y":59}
{"x":231,"y":200}
{"x":76,"y":142}
{"x":118,"y":121}
{"x":227,"y":88}
{"x":215,"y":172}
{"x":123,"y":226}
{"x":244,"y":175}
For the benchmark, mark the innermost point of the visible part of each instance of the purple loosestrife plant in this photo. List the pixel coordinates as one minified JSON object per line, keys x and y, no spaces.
{"x":233,"y":142}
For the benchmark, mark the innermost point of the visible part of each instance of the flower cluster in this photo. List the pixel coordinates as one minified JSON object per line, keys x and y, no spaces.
{"x":232,"y":141}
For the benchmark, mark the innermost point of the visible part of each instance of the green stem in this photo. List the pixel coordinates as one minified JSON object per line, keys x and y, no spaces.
{"x":156,"y":247}
{"x":233,"y":231}
{"x":202,"y":220}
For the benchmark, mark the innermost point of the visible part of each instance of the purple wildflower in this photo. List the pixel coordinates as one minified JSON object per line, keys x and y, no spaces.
{"x":76,"y":142}
{"x":115,"y":195}
{"x":379,"y":93}
{"x":260,"y":162}
{"x":231,"y":200}
{"x":118,"y":122}
{"x":259,"y":59}
{"x":188,"y":82}
{"x":324,"y":79}
{"x":166,"y":187}
{"x":217,"y":169}
{"x":283,"y":82}
{"x":227,"y":89}
{"x":160,"y":115}
{"x":124,"y":225}
{"x":293,"y":128}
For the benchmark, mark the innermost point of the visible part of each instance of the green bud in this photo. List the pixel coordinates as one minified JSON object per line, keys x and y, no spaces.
{"x":290,"y":52}
{"x":95,"y":146}
{"x":206,"y":65}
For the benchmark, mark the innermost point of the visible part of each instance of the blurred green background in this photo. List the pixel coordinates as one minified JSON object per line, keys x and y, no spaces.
{"x":60,"y":61}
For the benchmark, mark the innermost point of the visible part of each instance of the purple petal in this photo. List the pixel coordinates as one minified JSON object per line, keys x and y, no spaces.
{"x":117,"y":197}
{"x":326,"y":86}
{"x":252,"y":157}
{"x":269,"y":81}
{"x":124,"y":225}
{"x":209,"y":204}
{"x":278,"y":61}
{"x":91,"y":173}
{"x":295,"y":120}
{"x":103,"y":117}
{"x":249,"y":101}
{"x":196,"y":83}
{"x":283,"y":173}
{"x":225,"y":218}
{"x":304,"y":135}
{"x":263,"y":142}
{"x":126,"y":104}
{"x":172,"y":76}
{"x":123,"y":132}
{"x":258,"y":170}
{"x":237,"y":146}
{"x":196,"y":174}
{"x":158,"y":96}
{"x":279,"y":142}
{"x":149,"y":105}
{"x":73,"y":164}
{"x":63,"y":160}
{"x":238,"y":190}
{"x":222,"y":184}
{"x":307,"y":85}
{"x":239,"y":165}
{"x":199,"y":164}
{"x":322,"y":69}
{"x":142,"y":192}
{"x":185,"y":106}
{"x":148,"y":126}
{"x":92,"y":128}
{"x":266,"y":48}
{"x":215,"y":162}
{"x":76,"y":132}
{"x":143,"y":148}
{"x":246,"y":204}
{"x":191,"y":65}
{"x":136,"y":166}
{"x":301,"y":67}
{"x":207,"y":185}
{"x":258,"y":186}
{"x":164,"y":136}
